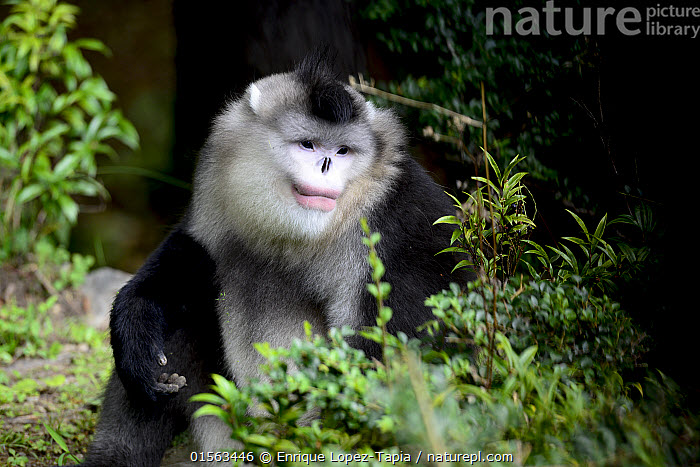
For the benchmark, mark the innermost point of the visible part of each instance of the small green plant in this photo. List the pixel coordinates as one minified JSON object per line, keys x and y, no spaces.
{"x":494,"y":254}
{"x":313,"y":378}
{"x":56,"y":116}
{"x":601,"y":264}
{"x":379,"y":290}
{"x":66,"y":454}
{"x":25,"y":331}
{"x":59,"y":268}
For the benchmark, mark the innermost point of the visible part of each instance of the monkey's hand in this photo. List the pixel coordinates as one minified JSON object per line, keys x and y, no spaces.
{"x":171,"y":383}
{"x":137,"y":334}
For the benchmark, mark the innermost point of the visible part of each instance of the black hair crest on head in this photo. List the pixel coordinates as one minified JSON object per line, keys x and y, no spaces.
{"x":329,"y":99}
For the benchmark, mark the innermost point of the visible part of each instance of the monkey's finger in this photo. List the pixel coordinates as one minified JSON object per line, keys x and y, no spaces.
{"x":167,"y":388}
{"x":179,"y":380}
{"x":165,"y":381}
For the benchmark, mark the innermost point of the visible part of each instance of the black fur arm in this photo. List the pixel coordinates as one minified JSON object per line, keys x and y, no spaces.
{"x":177,"y":280}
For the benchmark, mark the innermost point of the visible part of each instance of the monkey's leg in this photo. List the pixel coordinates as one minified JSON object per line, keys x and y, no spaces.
{"x":133,"y":432}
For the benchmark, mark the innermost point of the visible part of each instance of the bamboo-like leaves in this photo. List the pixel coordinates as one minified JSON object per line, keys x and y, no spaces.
{"x":504,"y":196}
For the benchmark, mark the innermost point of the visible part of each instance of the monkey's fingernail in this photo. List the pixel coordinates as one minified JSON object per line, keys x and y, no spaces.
{"x":162,"y":359}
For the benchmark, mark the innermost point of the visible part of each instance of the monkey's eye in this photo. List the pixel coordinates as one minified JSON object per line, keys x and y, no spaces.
{"x":307,"y":145}
{"x":342,"y":151}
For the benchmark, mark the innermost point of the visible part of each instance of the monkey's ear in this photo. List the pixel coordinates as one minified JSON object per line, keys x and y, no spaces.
{"x":255,"y":98}
{"x":371,"y":110}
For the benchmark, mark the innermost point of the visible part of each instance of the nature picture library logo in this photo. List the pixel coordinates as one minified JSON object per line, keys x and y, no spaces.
{"x":658,"y":20}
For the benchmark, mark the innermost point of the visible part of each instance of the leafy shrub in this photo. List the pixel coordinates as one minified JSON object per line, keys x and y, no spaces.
{"x":61,"y":267}
{"x":56,"y":116}
{"x":601,"y":264}
{"x":592,"y":337}
{"x":323,"y":397}
{"x":25,"y":331}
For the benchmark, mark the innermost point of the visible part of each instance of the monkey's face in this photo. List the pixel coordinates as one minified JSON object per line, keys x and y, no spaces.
{"x":315,"y":165}
{"x":319,"y":174}
{"x":274,"y":169}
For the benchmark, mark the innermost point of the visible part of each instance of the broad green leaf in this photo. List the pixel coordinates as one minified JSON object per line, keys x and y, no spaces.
{"x":462,"y":264}
{"x":92,"y":44}
{"x":66,"y":166}
{"x":28,"y":193}
{"x":69,"y":208}
{"x":129,"y":135}
{"x":527,"y":355}
{"x":211,"y":410}
{"x":209,"y":398}
{"x":448,"y":220}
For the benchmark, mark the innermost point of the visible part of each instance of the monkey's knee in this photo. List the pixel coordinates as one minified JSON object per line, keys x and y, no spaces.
{"x":130,"y":432}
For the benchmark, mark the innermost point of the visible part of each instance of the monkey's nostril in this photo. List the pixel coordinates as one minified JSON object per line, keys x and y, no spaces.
{"x":326,"y":165}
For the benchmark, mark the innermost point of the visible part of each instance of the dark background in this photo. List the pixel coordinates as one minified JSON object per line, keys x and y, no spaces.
{"x":174,"y":64}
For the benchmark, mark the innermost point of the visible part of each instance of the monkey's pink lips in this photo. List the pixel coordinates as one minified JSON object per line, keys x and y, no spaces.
{"x":310,"y":197}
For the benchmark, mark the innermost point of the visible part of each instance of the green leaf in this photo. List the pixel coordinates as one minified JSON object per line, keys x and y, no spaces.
{"x":579,"y":221}
{"x":265,"y":441}
{"x":493,"y":165}
{"x":457,"y":202}
{"x":385,"y":314}
{"x":56,"y":437}
{"x":462,"y":264}
{"x":55,"y":381}
{"x":384,"y":289}
{"x":373,"y":290}
{"x":456,"y":234}
{"x":515,"y":180}
{"x":28,"y":193}
{"x":489,"y":182}
{"x":8,"y":158}
{"x":208,"y":398}
{"x":69,"y":208}
{"x":601,"y":227}
{"x":211,"y":410}
{"x":129,"y":135}
{"x":515,"y":161}
{"x":94,"y":125}
{"x":452,"y":249}
{"x":66,"y":166}
{"x":527,"y":355}
{"x":92,"y":44}
{"x":378,"y":271}
{"x":448,"y":220}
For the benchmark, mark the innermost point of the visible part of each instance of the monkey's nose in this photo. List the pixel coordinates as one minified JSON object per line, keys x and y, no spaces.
{"x":325,"y":165}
